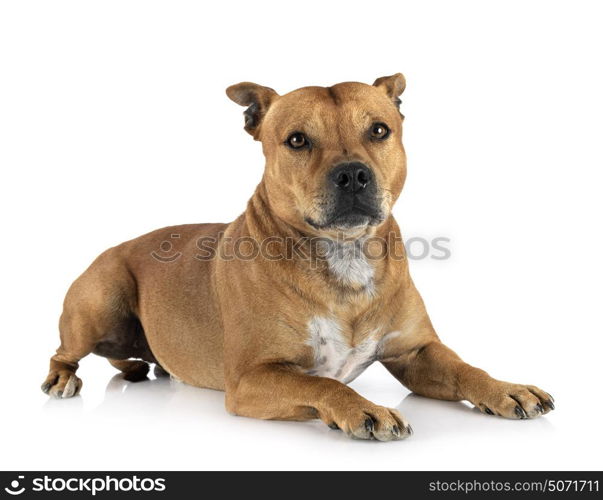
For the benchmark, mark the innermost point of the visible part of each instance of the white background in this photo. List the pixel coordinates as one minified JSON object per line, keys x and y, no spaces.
{"x":114,"y":121}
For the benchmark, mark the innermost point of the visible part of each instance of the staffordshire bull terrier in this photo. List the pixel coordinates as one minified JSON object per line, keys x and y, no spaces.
{"x":294,"y":299}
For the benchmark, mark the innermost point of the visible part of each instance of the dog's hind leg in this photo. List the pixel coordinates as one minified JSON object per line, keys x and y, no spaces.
{"x":98,"y":303}
{"x":133,"y":370}
{"x":62,"y":381}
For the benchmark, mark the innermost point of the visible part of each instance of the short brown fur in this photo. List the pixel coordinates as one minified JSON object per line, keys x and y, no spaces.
{"x":242,"y":325}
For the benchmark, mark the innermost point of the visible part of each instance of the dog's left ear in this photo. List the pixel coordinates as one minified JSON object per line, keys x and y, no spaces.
{"x":393,"y":86}
{"x":258,"y":99}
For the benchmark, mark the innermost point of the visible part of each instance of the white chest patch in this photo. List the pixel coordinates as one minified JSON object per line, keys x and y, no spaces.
{"x":333,"y":356}
{"x":348,"y":263}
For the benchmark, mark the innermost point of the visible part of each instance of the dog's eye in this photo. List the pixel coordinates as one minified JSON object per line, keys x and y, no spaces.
{"x":379,"y":131}
{"x":297,"y":140}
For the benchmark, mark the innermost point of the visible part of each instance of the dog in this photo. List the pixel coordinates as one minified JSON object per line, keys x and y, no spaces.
{"x":283,"y":329}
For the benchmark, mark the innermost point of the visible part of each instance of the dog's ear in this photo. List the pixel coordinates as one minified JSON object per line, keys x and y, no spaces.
{"x":393,"y":86}
{"x":258,"y":100}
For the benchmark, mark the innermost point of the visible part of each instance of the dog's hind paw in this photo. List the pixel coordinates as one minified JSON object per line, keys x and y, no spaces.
{"x":63,"y":384}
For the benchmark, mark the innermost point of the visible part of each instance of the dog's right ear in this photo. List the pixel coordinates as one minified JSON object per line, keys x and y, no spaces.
{"x":258,"y":100}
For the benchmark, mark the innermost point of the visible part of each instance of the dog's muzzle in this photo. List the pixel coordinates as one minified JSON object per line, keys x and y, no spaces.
{"x":353,"y":192}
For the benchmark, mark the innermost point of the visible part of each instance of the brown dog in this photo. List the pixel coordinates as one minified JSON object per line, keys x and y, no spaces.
{"x":285,"y":305}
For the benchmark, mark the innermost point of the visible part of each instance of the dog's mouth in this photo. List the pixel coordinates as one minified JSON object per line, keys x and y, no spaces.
{"x":350,"y":217}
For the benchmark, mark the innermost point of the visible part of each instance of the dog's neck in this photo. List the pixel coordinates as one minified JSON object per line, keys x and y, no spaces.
{"x":343,"y":255}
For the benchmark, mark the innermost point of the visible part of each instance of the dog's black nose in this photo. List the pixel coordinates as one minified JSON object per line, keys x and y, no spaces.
{"x":351,"y":177}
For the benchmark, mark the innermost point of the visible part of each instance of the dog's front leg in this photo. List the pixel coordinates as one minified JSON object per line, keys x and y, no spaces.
{"x":283,"y":392}
{"x":435,"y":371}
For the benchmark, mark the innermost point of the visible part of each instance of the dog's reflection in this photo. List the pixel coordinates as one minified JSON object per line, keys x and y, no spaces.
{"x":432,"y":418}
{"x":167,"y":399}
{"x":159,"y":396}
{"x":72,"y":405}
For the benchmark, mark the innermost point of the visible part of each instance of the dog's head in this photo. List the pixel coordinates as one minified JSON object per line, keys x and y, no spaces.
{"x":334,"y":155}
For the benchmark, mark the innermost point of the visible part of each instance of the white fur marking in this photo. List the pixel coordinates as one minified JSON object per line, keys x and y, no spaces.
{"x":333,"y":356}
{"x":70,"y":387}
{"x":348,"y":263}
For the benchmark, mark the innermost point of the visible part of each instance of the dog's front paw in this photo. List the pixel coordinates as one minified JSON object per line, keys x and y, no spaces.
{"x":514,"y":401}
{"x":370,"y":422}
